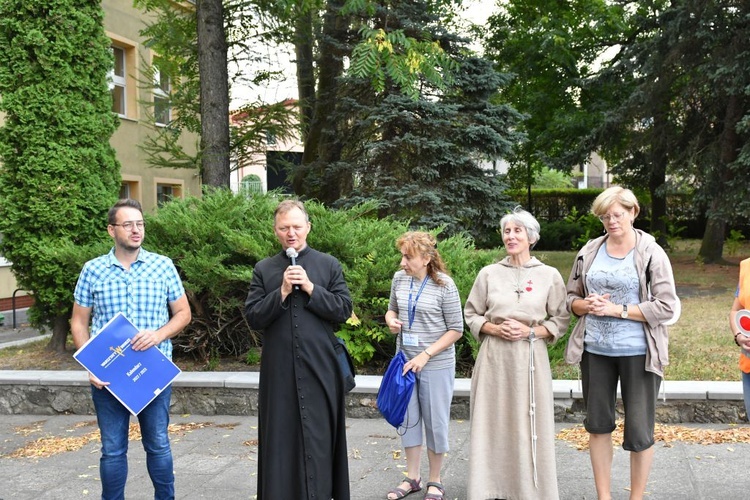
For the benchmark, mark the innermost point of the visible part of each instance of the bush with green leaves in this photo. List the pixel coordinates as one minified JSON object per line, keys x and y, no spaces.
{"x":215,"y":242}
{"x":591,"y":227}
{"x":550,"y":178}
{"x":557,"y":350}
{"x":559,"y":235}
{"x":733,"y":243}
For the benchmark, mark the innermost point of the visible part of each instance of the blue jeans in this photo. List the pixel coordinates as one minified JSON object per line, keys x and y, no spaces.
{"x":114,"y":422}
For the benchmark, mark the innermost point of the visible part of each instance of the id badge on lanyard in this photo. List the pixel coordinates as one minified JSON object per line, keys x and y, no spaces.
{"x":408,"y":337}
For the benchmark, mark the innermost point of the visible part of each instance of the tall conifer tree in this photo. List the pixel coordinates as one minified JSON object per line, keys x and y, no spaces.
{"x":58,"y":172}
{"x":427,"y":157}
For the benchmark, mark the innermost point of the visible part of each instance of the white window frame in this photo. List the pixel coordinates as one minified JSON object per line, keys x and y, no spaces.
{"x":162,"y":88}
{"x":119,"y":81}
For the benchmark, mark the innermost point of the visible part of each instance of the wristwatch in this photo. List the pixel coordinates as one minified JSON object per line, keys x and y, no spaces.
{"x":532,"y":335}
{"x":624,"y":313}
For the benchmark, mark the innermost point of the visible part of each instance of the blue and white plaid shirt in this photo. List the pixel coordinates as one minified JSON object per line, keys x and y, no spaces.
{"x":141,"y":294}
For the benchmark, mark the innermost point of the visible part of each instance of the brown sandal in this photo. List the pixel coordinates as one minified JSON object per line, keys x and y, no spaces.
{"x":434,"y":496}
{"x":415,"y":486}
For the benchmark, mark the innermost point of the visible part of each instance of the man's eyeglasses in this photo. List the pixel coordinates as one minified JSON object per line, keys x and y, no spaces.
{"x":617,"y":217}
{"x":129,"y":225}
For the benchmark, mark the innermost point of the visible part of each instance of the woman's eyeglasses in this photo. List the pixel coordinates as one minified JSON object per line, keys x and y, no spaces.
{"x":617,"y":217}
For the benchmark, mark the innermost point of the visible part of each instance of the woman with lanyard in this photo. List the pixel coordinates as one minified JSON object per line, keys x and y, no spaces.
{"x":425,"y":309}
{"x":515,"y":308}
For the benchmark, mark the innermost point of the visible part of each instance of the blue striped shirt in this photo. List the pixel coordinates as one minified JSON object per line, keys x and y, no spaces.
{"x":142,"y":294}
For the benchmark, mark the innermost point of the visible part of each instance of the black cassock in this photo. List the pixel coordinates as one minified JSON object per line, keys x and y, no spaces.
{"x":301,"y":412}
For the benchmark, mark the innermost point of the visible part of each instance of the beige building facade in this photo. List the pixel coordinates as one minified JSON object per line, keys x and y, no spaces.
{"x":142,"y":109}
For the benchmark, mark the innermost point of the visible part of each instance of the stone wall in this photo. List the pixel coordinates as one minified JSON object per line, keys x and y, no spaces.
{"x":76,"y":399}
{"x":45,"y":400}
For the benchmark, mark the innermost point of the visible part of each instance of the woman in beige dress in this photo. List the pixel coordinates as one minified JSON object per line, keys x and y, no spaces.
{"x":515,"y":308}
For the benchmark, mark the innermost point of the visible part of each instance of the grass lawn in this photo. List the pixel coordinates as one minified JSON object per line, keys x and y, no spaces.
{"x":700,"y":348}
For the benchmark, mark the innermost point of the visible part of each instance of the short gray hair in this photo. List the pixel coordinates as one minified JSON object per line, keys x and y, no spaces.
{"x":521,"y":217}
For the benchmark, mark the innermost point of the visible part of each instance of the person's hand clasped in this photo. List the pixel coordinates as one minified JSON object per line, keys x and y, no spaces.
{"x":513,"y":330}
{"x":598,"y":305}
{"x":144,"y":340}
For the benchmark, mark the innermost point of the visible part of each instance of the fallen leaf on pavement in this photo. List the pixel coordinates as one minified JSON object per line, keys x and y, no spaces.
{"x":664,"y":433}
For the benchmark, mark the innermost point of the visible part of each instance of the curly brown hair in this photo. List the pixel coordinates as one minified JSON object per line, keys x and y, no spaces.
{"x":424,"y":244}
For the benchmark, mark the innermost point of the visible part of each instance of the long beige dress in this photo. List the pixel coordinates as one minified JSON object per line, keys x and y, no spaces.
{"x":504,"y":461}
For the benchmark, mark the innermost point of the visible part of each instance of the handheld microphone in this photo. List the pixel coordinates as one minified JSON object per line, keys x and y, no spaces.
{"x":292,"y":254}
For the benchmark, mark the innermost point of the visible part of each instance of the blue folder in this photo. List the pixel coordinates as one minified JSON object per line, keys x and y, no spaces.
{"x":135,"y":377}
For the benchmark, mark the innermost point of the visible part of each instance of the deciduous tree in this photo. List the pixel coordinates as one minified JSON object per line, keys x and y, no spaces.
{"x":550,"y":48}
{"x":198,"y":45}
{"x":667,"y":107}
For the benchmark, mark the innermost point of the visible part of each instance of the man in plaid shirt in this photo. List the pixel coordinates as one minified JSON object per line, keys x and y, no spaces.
{"x":145,"y":287}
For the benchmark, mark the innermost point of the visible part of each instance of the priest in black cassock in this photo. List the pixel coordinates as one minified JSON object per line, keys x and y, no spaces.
{"x":301,"y":414}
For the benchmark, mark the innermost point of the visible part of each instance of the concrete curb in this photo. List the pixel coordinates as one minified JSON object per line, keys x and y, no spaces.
{"x":236,"y":393}
{"x":13,"y":343}
{"x":369,"y":384}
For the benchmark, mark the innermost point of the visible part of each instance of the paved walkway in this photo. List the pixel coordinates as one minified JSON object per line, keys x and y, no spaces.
{"x":216,"y":458}
{"x":22,"y":333}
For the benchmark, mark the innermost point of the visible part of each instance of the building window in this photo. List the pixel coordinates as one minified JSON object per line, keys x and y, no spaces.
{"x":123,"y":77}
{"x":162,"y":88}
{"x":130,"y":187}
{"x":165,"y":192}
{"x":270,"y":138}
{"x":118,"y":81}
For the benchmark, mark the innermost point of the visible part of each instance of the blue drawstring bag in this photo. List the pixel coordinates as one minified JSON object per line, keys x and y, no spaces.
{"x":395,"y":391}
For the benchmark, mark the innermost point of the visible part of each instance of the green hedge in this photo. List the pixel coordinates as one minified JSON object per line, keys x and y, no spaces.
{"x":216,"y":240}
{"x":556,"y":204}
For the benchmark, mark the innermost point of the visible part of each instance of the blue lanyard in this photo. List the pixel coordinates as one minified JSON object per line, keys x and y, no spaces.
{"x":412,"y":309}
